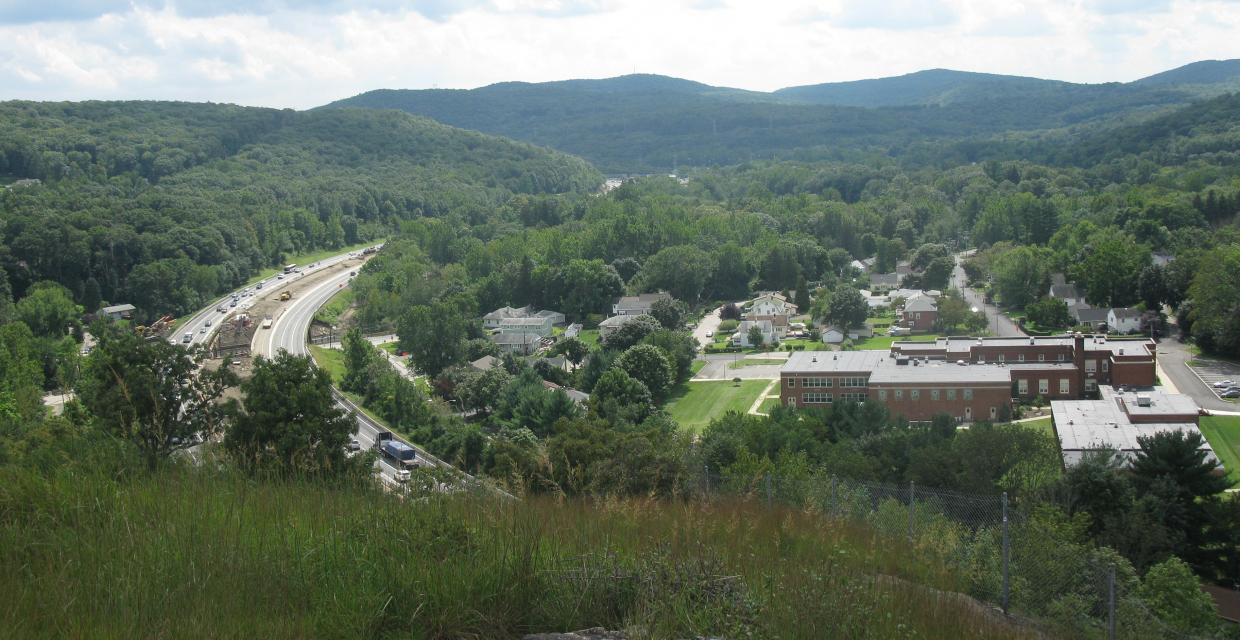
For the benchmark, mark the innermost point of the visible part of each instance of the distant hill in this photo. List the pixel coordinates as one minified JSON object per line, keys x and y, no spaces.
{"x":934,"y":86}
{"x":1203,"y":72}
{"x":652,"y":124}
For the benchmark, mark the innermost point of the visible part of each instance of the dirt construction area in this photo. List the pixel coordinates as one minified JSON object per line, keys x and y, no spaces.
{"x":265,"y":302}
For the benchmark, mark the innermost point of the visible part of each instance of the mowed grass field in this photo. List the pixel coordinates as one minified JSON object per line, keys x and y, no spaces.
{"x":695,"y":404}
{"x":1223,"y":433}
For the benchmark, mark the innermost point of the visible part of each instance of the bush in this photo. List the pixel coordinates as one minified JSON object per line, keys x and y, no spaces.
{"x":728,"y":326}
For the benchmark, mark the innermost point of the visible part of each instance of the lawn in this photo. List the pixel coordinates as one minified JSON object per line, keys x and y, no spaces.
{"x":768,"y":405}
{"x":696,"y":366}
{"x":1223,"y":432}
{"x":330,"y":360}
{"x":695,"y":404}
{"x":884,"y":342}
{"x":1041,"y":424}
{"x":754,"y":362}
{"x":589,"y":337}
{"x":330,"y":313}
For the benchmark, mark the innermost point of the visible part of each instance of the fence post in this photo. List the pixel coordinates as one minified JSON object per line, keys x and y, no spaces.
{"x":706,"y":480}
{"x":768,"y":490}
{"x":912,"y":509}
{"x":1111,"y":602}
{"x":1007,"y":557}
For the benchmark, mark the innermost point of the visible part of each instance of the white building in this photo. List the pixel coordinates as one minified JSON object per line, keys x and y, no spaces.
{"x":771,"y":304}
{"x":1123,"y":320}
{"x":741,"y":337}
{"x":639,"y":304}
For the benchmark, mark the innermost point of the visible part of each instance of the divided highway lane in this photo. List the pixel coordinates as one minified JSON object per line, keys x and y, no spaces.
{"x":288,"y":332}
{"x":198,"y":321}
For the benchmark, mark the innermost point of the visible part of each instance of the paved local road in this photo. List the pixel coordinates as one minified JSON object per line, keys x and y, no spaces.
{"x":719,"y":366}
{"x":709,"y":324}
{"x":997,"y":323}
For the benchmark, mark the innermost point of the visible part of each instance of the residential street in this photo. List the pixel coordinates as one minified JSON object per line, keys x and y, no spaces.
{"x":709,"y":324}
{"x":997,"y":323}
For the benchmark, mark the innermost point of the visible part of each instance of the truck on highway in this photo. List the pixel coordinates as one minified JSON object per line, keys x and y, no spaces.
{"x":399,"y":454}
{"x":285,"y":295}
{"x":267,"y":322}
{"x":187,"y":338}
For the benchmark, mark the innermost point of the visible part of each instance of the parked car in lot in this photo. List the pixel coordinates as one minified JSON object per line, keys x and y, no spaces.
{"x":1230,"y":393}
{"x":1224,"y":384}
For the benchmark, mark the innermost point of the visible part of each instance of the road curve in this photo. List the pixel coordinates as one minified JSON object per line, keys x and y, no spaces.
{"x":289,"y":331}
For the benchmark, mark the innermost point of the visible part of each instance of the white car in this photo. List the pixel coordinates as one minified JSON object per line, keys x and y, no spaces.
{"x":710,"y":334}
{"x":401,"y":475}
{"x":1223,"y":384}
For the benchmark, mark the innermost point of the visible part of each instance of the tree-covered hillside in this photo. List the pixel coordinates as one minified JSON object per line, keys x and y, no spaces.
{"x":646,"y":123}
{"x":164,"y":204}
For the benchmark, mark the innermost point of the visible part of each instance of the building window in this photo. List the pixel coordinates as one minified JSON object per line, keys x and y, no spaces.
{"x":1059,"y":357}
{"x":1020,"y":357}
{"x":816,"y":397}
{"x":934,"y":394}
{"x":899,"y":394}
{"x":792,"y":382}
{"x":914,"y":395}
{"x":1044,"y":386}
{"x":1022,"y":387}
{"x":1063,"y":386}
{"x":1091,"y":366}
{"x":852,"y":397}
{"x":817,"y":383}
{"x":968,"y":394}
{"x":1090,"y":385}
{"x":882,"y":394}
{"x":951,"y":394}
{"x":1001,"y":357}
{"x":1106,"y":366}
{"x":1041,"y":357}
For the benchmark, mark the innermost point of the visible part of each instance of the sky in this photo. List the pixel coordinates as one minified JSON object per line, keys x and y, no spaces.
{"x":304,"y":53}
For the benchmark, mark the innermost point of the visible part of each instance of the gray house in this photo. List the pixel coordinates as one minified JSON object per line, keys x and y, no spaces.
{"x":118,"y":311}
{"x":637,"y":305}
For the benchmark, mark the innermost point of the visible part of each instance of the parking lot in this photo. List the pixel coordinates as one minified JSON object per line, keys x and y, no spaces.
{"x":1212,"y":371}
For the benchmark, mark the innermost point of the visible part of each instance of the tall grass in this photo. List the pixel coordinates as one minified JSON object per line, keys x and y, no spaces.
{"x":201,"y":554}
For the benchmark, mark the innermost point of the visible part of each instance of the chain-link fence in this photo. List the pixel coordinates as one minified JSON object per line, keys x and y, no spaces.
{"x":1002,"y":555}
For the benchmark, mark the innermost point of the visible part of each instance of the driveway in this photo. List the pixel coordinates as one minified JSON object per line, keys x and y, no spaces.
{"x":997,"y":323}
{"x":709,"y":324}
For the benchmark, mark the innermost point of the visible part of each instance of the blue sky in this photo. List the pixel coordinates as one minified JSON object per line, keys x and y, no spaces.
{"x":302,"y":53}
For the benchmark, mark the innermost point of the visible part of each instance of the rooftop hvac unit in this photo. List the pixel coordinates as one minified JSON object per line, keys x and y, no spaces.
{"x":1144,"y":400}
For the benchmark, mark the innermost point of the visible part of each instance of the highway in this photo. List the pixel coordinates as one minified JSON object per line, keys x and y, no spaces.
{"x":289,"y":331}
{"x":245,"y":298}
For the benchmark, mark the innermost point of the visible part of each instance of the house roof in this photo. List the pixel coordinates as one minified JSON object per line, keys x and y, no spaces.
{"x":921,"y":303}
{"x":485,"y":362}
{"x":507,"y":312}
{"x":1085,"y":313}
{"x":1064,"y":291}
{"x":778,"y":320}
{"x":1126,"y":313}
{"x":642,"y":301}
{"x":548,"y":313}
{"x":889,"y":279}
{"x":117,"y":308}
{"x":536,"y":321}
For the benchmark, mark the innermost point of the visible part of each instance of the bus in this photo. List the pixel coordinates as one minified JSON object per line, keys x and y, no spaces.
{"x":289,"y":268}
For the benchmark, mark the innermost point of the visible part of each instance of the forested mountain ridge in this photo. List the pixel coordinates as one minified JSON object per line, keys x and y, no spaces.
{"x":163,"y":204}
{"x":644,"y":123}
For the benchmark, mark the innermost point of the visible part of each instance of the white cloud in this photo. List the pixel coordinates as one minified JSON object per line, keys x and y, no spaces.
{"x":277,"y":53}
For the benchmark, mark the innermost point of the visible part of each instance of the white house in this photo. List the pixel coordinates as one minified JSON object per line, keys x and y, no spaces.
{"x":835,"y":335}
{"x":771,"y":304}
{"x":539,"y":325}
{"x":779,"y":323}
{"x":556,"y":317}
{"x":519,"y":343}
{"x":882,"y":282}
{"x":1124,"y":320}
{"x":741,"y":337}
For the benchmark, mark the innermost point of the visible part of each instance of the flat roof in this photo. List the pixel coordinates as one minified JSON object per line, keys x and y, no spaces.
{"x":940,"y":371}
{"x":1161,"y":402}
{"x":1091,"y":425}
{"x":833,"y":361}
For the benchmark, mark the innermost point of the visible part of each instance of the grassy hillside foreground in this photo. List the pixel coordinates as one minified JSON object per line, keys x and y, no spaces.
{"x":189,"y":554}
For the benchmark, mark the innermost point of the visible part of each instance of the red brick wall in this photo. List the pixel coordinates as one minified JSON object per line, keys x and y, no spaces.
{"x":1052,"y":377}
{"x":925,"y":407}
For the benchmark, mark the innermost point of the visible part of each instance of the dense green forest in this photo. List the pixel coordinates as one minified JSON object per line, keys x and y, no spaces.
{"x":654,"y":124}
{"x":165,"y":204}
